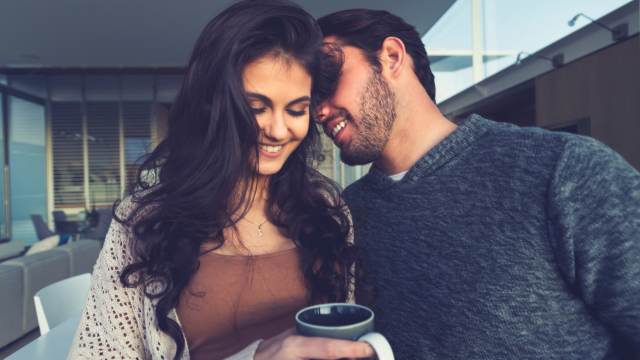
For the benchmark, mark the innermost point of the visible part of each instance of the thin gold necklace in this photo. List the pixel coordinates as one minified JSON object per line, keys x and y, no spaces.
{"x":259,"y":225}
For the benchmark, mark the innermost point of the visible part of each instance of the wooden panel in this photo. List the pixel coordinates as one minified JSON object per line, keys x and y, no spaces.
{"x":516,"y":105}
{"x":563,"y":95}
{"x":604,"y":87}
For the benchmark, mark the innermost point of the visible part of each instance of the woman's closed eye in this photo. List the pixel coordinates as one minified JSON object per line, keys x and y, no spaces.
{"x":289,"y":111}
{"x":297,"y":113}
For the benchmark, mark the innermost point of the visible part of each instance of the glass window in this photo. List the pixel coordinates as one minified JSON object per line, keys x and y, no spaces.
{"x":68,"y":154}
{"x":27,"y":167}
{"x":103,"y":138}
{"x":508,"y":27}
{"x":117,"y":108}
{"x":103,"y":143}
{"x":3,"y":229}
{"x":30,"y":83}
{"x":530,"y":26}
{"x":449,"y":43}
{"x":137,"y":134}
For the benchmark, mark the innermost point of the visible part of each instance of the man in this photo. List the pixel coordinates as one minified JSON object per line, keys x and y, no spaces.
{"x":485,"y":240}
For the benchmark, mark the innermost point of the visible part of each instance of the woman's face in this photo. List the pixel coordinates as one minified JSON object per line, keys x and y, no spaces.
{"x":280,"y":94}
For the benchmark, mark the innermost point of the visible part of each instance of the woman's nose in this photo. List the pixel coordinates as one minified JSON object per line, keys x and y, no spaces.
{"x":275,"y":128}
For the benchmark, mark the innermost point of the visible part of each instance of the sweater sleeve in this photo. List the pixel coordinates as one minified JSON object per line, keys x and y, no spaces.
{"x":112,"y":323}
{"x":594,"y":223}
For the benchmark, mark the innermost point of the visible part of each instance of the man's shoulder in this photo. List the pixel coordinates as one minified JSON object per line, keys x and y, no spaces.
{"x":507,"y":134}
{"x":507,"y":139}
{"x":541,"y":140}
{"x":563,"y":152}
{"x":587,"y":158}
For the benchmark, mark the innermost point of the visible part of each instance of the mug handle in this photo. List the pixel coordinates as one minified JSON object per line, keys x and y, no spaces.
{"x":380,"y":345}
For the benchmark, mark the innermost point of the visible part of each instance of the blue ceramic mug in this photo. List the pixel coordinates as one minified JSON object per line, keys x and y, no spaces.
{"x":343,"y":321}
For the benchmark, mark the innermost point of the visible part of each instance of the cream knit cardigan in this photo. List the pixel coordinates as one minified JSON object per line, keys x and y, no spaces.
{"x":120,"y":323}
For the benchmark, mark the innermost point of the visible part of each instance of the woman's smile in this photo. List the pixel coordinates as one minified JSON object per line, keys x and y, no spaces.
{"x":271,"y":151}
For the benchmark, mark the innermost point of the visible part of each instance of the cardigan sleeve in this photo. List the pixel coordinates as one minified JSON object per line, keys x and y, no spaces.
{"x":351,"y":296}
{"x":112,"y":323}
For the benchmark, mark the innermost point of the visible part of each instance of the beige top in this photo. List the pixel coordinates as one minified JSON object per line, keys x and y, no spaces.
{"x":233,"y":301}
{"x":120,"y":323}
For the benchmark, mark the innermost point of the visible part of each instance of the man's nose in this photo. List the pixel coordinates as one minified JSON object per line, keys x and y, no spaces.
{"x":322,"y":113}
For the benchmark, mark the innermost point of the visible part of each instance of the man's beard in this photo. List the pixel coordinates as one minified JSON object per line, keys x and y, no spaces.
{"x":372,"y":128}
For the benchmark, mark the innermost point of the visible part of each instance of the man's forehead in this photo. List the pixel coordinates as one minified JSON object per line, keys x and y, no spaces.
{"x":333,"y":40}
{"x":351,"y":53}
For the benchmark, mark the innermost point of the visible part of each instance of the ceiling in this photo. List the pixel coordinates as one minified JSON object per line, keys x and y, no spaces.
{"x":142,"y":33}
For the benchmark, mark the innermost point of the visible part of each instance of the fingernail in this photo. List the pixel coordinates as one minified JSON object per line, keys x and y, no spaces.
{"x":369,"y":351}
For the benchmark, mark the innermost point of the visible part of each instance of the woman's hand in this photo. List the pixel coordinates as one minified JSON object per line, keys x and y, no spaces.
{"x":291,"y":346}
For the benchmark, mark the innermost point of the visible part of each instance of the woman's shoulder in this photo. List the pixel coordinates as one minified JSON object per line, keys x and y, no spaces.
{"x":125,"y":207}
{"x":136,"y":204}
{"x":129,"y":211}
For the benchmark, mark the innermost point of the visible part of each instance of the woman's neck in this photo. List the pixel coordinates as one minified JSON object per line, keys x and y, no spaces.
{"x":255,"y":199}
{"x":244,"y":238}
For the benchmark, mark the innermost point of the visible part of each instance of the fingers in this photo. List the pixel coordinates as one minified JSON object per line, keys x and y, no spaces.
{"x":290,"y":331}
{"x":288,"y":345}
{"x":323,"y":348}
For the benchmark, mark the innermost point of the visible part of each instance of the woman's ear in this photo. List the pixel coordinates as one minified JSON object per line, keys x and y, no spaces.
{"x":393,"y":57}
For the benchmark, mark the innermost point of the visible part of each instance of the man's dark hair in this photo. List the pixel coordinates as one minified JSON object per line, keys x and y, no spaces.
{"x":367,"y":30}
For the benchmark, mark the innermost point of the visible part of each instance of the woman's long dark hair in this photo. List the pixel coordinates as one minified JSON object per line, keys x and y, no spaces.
{"x":212,"y":137}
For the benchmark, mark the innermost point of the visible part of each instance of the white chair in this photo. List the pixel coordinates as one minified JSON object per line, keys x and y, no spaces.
{"x":61,"y":300}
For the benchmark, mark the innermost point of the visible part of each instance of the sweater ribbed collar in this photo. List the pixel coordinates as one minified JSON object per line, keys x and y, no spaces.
{"x":467,"y":133}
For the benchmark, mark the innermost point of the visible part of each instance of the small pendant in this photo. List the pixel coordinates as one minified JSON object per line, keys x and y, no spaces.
{"x":259,"y":231}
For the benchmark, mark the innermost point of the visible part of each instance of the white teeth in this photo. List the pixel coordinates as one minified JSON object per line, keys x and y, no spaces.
{"x":339,"y":127}
{"x":271,"y":149}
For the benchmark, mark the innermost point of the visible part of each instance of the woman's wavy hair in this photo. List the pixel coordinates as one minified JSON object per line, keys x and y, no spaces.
{"x":185,"y":190}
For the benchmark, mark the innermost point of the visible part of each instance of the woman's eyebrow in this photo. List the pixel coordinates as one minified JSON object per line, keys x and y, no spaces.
{"x":261,"y":97}
{"x":268,"y":101}
{"x":300,"y":99}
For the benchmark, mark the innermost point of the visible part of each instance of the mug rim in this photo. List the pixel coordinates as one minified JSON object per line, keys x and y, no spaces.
{"x":333,"y":327}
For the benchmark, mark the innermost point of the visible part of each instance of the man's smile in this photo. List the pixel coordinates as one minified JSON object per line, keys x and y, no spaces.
{"x":338,"y":128}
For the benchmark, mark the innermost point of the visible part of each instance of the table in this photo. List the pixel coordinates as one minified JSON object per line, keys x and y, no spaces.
{"x":72,"y":227}
{"x":54,"y":345}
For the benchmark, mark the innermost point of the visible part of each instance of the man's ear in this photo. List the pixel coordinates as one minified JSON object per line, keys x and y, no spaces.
{"x":393,"y":57}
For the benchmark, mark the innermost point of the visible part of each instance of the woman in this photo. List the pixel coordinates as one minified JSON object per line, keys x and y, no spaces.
{"x":239,"y":233}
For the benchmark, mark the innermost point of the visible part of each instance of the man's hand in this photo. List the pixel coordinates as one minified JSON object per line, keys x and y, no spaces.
{"x":291,"y":346}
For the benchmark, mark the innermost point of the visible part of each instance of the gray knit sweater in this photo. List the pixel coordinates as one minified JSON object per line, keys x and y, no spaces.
{"x":505,"y":243}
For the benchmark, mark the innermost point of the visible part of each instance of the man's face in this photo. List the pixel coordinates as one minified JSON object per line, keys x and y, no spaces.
{"x":359,"y":115}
